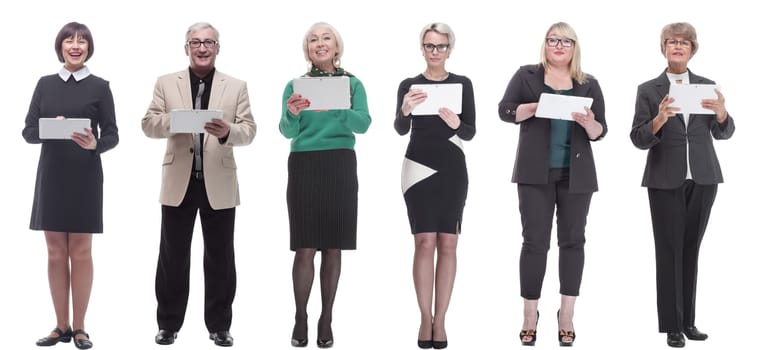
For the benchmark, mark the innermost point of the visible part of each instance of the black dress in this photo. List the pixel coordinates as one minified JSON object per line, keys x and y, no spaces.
{"x":434,"y":173}
{"x":68,"y":195}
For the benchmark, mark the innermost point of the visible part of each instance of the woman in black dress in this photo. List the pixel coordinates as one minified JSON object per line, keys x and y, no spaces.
{"x":68,"y":193}
{"x":435,"y":180}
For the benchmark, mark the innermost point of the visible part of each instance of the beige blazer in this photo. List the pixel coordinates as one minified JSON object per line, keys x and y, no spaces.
{"x":173,"y":91}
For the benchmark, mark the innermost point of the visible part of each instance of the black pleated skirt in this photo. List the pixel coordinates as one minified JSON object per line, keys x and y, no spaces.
{"x":322,"y":199}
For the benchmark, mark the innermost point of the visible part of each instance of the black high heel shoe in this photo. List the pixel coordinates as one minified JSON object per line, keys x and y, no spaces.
{"x":299,"y":342}
{"x":529,"y":333}
{"x":62,"y":337}
{"x":565,"y":334}
{"x":81,"y":343}
{"x":324,"y":343}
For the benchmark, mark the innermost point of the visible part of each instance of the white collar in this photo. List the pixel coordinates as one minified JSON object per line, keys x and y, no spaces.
{"x":78,"y":75}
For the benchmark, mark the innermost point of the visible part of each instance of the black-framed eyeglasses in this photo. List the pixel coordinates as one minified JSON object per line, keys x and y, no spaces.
{"x":674,"y":42}
{"x":195,"y":44}
{"x":565,"y":42}
{"x":429,"y":47}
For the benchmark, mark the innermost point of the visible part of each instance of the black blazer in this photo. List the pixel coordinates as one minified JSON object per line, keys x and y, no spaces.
{"x":532,"y":157}
{"x":666,"y":159}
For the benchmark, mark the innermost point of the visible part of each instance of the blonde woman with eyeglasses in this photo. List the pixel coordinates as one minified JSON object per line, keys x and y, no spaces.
{"x":555,"y":172}
{"x":435,"y":177}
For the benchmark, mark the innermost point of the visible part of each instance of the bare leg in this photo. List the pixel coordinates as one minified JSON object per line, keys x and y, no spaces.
{"x":303,"y":273}
{"x":423,"y":278}
{"x":530,"y":318}
{"x":58,"y":276}
{"x":331,"y":268}
{"x":446,"y":268}
{"x":80,"y":252}
{"x":565,"y":321}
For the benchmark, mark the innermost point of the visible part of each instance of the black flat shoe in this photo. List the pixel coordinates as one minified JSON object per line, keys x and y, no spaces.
{"x":222,"y":338}
{"x":324,"y":343}
{"x":166,"y":337}
{"x":425,"y":344}
{"x":529,"y":333}
{"x":62,"y":337}
{"x":81,"y":343}
{"x":675,"y":339}
{"x":694,"y":334}
{"x":439,"y":344}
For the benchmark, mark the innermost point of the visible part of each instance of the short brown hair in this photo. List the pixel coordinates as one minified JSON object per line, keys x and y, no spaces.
{"x":683,"y":29}
{"x":74,"y":29}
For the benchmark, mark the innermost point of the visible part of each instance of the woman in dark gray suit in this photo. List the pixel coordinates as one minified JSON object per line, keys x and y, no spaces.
{"x":554,"y":168}
{"x":681,"y":175}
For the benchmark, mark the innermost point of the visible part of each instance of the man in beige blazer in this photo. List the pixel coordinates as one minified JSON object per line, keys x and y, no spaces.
{"x":199,"y":174}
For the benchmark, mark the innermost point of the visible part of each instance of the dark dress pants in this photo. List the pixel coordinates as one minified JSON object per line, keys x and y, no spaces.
{"x":537,"y":210}
{"x":679,"y":219}
{"x":172,"y":278}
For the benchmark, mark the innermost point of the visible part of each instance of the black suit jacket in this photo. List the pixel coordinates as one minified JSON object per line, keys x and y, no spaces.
{"x":532,"y":157}
{"x":666,"y":159}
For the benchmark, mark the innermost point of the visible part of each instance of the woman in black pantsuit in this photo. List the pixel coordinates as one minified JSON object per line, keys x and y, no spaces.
{"x":435,"y":180}
{"x":681,"y":175}
{"x":554,"y":169}
{"x":68,"y":196}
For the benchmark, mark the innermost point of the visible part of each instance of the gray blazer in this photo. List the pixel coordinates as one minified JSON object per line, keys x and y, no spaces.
{"x":532,"y":157}
{"x":666,"y":159}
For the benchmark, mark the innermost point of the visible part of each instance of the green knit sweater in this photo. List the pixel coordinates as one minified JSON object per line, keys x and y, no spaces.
{"x":325,"y":130}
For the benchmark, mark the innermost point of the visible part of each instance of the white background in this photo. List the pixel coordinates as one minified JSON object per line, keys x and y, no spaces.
{"x":376,"y":306}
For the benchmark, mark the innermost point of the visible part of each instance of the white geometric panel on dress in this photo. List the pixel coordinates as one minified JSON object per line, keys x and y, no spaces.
{"x":457,"y":141}
{"x":414,"y":172}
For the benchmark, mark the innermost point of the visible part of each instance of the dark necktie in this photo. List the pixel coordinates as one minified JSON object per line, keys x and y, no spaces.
{"x":198,"y":136}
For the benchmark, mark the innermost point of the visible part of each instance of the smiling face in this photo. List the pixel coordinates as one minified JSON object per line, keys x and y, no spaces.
{"x":74,"y":50}
{"x":436,"y":49}
{"x":558,"y":49}
{"x":322,"y":48}
{"x":202,"y":59}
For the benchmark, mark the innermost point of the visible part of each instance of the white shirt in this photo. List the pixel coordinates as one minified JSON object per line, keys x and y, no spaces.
{"x":683,"y":78}
{"x":78,"y":75}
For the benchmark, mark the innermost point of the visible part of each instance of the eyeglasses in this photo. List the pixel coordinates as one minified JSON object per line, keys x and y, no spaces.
{"x":439,"y":48}
{"x":195,"y":44}
{"x":552,"y":42}
{"x":674,"y":42}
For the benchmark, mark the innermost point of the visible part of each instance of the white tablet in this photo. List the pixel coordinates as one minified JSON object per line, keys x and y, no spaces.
{"x":54,"y":128}
{"x":192,"y":120}
{"x":439,"y":95}
{"x":324,"y":93}
{"x":689,"y":97}
{"x":554,"y":106}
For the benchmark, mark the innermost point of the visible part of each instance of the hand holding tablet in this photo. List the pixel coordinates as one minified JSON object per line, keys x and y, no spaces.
{"x":437,"y":96}
{"x":192,"y":120}
{"x":324,"y":93}
{"x":62,"y":128}
{"x":554,"y":106}
{"x":688,"y":97}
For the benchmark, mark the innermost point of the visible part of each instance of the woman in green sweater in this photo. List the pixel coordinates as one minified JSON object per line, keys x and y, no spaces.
{"x":322,"y":185}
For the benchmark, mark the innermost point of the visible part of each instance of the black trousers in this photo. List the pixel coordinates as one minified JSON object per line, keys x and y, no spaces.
{"x":172,"y":277}
{"x":537,"y":210}
{"x":679,"y":219}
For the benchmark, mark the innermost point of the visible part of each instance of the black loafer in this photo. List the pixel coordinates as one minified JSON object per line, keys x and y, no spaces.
{"x":694,"y":334}
{"x":439,"y":344}
{"x":222,"y":338}
{"x":62,"y":337}
{"x":166,"y":337}
{"x":81,"y":343}
{"x":675,"y":339}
